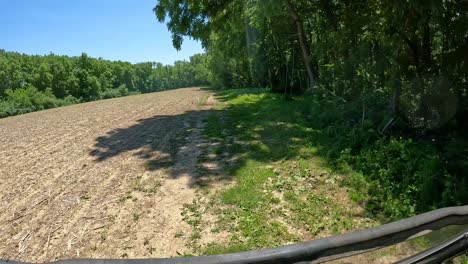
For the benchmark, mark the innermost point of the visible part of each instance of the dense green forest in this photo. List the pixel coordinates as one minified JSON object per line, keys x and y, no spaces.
{"x":31,"y":83}
{"x":387,"y":83}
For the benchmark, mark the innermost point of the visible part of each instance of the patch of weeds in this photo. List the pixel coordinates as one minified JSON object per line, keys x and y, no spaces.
{"x":358,"y":195}
{"x":151,"y":250}
{"x":195,"y":235}
{"x":247,"y":213}
{"x":215,"y":249}
{"x":179,"y":234}
{"x":136,"y":217}
{"x":282,"y":190}
{"x":155,"y":186}
{"x":192,"y":213}
{"x":184,"y":255}
{"x":310,"y":194}
{"x":104,"y":236}
{"x":147,"y":187}
{"x":245,"y":194}
{"x":85,"y":197}
{"x":203,"y":100}
{"x":219,"y":150}
{"x":316,"y":213}
{"x":148,"y":246}
{"x":112,"y":218}
{"x":128,"y":195}
{"x":214,"y":127}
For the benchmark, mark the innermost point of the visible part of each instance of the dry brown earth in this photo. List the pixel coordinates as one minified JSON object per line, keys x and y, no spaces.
{"x":100,"y":179}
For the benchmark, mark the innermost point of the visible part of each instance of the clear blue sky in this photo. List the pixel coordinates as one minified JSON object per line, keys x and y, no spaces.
{"x":112,"y":29}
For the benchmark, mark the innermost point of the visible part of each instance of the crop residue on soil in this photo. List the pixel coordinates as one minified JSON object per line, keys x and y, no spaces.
{"x":104,"y":179}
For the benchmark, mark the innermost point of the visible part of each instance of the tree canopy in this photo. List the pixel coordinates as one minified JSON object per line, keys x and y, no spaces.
{"x":400,"y":55}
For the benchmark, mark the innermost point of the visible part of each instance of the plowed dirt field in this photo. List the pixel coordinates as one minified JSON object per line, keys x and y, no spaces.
{"x":100,"y":179}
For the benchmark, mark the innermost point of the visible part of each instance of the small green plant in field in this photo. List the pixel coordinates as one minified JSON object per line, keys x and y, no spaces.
{"x":126,"y":197}
{"x":179,"y":234}
{"x":104,"y":236}
{"x":149,"y":186}
{"x":192,"y":213}
{"x":136,"y":217}
{"x":203,"y":100}
{"x":85,"y":197}
{"x":151,"y":250}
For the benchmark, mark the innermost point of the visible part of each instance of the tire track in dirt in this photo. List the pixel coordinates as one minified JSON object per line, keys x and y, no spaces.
{"x":63,"y":199}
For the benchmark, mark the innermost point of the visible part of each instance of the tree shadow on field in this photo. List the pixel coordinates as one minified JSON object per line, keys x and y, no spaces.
{"x":165,"y":142}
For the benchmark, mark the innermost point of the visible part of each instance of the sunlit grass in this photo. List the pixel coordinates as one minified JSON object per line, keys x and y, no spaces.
{"x":283,"y":192}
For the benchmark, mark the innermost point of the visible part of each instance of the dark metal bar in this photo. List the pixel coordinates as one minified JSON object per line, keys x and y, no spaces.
{"x":443,"y":251}
{"x":320,"y":250}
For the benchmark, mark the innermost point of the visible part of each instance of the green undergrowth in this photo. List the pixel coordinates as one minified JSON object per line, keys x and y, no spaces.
{"x":283,"y":191}
{"x":392,"y":176}
{"x":305,"y":170}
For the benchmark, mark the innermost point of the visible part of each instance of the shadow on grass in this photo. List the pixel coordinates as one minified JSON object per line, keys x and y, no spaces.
{"x":257,"y":129}
{"x":391,"y":177}
{"x":269,"y":128}
{"x":255,"y":125}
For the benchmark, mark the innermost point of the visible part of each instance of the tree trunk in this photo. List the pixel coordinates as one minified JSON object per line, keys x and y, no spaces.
{"x":302,"y":42}
{"x":426,"y":46}
{"x":396,"y":99}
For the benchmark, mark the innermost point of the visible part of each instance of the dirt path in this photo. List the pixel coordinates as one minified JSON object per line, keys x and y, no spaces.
{"x":101,"y":179}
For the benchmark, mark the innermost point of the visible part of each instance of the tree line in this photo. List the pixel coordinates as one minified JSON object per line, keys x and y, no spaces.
{"x":405,"y":56}
{"x":390,"y":79}
{"x":30,"y":83}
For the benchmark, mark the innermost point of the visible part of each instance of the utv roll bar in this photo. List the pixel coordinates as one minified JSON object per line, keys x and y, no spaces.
{"x":336,"y":247}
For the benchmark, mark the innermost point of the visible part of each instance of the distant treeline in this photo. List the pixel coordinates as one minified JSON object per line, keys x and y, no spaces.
{"x":31,"y":83}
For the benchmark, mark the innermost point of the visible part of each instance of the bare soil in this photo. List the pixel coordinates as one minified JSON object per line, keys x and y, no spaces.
{"x":105,"y":179}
